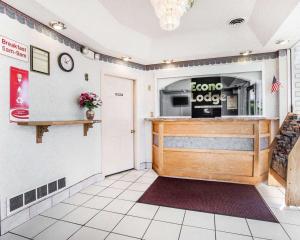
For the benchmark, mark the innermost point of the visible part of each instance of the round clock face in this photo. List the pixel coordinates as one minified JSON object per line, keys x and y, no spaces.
{"x":66,"y":62}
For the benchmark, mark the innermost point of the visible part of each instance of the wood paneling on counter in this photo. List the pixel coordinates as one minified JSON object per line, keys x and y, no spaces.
{"x":241,"y":166}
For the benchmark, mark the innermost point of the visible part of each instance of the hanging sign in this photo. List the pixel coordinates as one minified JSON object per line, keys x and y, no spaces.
{"x":19,"y":90}
{"x":207,"y":97}
{"x":13,"y":49}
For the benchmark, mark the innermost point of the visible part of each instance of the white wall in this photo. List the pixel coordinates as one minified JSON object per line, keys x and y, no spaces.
{"x":296,"y":78}
{"x":25,"y":165}
{"x":284,"y":70}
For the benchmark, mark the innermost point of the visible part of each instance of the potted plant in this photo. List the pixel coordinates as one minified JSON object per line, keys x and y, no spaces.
{"x":90,"y":101}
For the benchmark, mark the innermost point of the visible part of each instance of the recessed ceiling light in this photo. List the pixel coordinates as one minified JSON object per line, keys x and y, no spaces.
{"x":168,"y":61}
{"x":282,"y":42}
{"x":57,"y":25}
{"x":97,"y":56}
{"x":245,"y":53}
{"x":126,"y":58}
{"x":85,"y":50}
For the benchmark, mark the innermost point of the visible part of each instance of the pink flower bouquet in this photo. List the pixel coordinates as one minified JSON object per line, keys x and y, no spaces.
{"x":89,"y":100}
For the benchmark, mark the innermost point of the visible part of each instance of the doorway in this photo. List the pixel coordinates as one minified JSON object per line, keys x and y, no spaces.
{"x":117,"y":94}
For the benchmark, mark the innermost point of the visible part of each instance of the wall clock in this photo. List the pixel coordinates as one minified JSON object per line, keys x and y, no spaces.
{"x":65,"y":62}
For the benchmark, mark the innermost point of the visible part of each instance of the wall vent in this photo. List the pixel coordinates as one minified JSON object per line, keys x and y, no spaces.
{"x":52,"y":187}
{"x":236,"y":21}
{"x":30,"y":196}
{"x":42,"y":191}
{"x":16,"y":202}
{"x":33,"y":195}
{"x":61,"y":183}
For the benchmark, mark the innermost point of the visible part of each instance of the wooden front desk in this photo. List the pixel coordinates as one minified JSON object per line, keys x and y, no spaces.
{"x":221,"y":149}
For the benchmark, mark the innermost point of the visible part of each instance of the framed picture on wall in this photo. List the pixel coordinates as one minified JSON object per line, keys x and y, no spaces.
{"x":39,"y":60}
{"x":232,"y":102}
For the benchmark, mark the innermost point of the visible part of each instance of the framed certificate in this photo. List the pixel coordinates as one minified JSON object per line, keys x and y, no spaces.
{"x":232,"y":102}
{"x":39,"y":60}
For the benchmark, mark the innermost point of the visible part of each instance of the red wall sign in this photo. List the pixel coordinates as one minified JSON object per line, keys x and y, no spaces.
{"x":19,"y":90}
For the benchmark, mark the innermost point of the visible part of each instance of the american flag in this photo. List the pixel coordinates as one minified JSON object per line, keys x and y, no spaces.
{"x":275,"y":85}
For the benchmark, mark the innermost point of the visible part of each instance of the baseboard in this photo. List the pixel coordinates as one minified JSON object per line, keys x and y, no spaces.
{"x":14,"y":220}
{"x":146,"y":165}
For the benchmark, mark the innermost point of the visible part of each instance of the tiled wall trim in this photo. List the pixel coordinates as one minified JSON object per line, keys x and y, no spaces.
{"x":26,"y":214}
{"x":34,"y":24}
{"x":214,"y":61}
{"x":22,"y":18}
{"x":38,"y":26}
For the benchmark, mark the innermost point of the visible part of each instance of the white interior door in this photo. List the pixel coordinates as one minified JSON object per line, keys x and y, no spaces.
{"x":117,"y":124}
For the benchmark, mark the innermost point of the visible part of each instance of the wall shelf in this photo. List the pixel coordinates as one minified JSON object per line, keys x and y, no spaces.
{"x":42,"y":126}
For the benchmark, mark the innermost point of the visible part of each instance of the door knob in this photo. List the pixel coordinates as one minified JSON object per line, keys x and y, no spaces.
{"x":132,"y":131}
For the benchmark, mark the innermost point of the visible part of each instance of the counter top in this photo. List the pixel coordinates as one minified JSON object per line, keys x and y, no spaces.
{"x":238,"y":118}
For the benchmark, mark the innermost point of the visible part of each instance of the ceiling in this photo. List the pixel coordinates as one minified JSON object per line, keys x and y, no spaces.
{"x":130,"y":27}
{"x":139,"y":15}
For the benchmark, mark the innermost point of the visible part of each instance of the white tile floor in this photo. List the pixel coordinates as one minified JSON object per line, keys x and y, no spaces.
{"x":108,"y":210}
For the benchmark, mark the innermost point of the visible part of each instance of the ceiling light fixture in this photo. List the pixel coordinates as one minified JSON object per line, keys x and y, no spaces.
{"x":246,"y":53}
{"x":282,"y":42}
{"x":169,"y":12}
{"x":168,"y":61}
{"x":85,"y":50}
{"x":97,"y":56}
{"x":57,"y":25}
{"x":126,"y":58}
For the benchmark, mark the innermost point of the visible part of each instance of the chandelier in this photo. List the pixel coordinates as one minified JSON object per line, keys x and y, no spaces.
{"x":169,"y":12}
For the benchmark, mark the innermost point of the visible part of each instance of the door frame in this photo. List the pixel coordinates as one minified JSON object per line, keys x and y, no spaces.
{"x":134,"y":119}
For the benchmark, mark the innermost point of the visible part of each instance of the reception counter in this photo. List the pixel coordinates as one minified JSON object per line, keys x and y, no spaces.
{"x":227,"y":149}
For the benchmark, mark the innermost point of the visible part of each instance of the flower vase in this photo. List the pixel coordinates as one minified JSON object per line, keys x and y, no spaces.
{"x":90,"y":114}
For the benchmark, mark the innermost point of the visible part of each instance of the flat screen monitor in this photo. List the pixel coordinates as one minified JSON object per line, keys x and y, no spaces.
{"x":180,"y":101}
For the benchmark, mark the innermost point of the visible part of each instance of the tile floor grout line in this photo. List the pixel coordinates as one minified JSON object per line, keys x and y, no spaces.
{"x":233,"y":233}
{"x":92,"y":194}
{"x":28,"y":221}
{"x":57,"y":220}
{"x":215,"y":226}
{"x":84,"y":225}
{"x":151,"y":220}
{"x":181,"y":225}
{"x":61,"y":219}
{"x":46,"y":228}
{"x":124,"y":215}
{"x":17,"y":235}
{"x":81,"y":205}
{"x":285,"y":231}
{"x":249,"y":228}
{"x":74,"y":233}
{"x":98,"y":208}
{"x":127,"y":214}
{"x":204,"y":228}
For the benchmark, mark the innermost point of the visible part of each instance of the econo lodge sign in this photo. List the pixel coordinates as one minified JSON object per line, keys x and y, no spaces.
{"x":11,"y":48}
{"x":207,"y":97}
